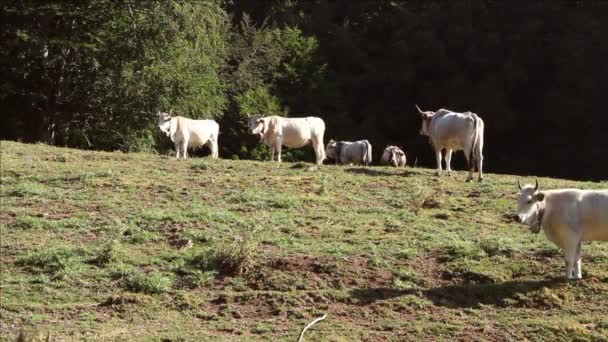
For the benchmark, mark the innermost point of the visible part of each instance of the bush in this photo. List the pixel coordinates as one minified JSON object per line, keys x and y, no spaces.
{"x":58,"y":261}
{"x":230,"y":258}
{"x":460,"y":249}
{"x":151,"y":283}
{"x":107,"y":254}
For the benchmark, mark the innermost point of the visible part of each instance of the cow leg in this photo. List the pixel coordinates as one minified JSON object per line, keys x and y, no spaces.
{"x":438,"y":156}
{"x":578,"y":272}
{"x":448,"y":160}
{"x":479,"y":166}
{"x":213,"y":147}
{"x":185,"y":149}
{"x":177,"y":150}
{"x":272,"y":153}
{"x":319,"y":149}
{"x":570,"y":256}
{"x":279,"y":146}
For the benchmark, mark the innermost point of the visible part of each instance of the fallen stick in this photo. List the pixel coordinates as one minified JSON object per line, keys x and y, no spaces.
{"x":310,"y":325}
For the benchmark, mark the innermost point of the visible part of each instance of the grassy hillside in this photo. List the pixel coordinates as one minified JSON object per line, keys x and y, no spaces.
{"x":93,"y":247}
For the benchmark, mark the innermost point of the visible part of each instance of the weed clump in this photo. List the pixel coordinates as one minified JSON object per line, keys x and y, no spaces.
{"x":29,"y":222}
{"x":108,"y":253}
{"x":459,"y":250}
{"x":233,"y":257}
{"x":496,"y":246}
{"x":152,"y":283}
{"x":404,"y":278}
{"x":201,"y":165}
{"x":57,"y":262}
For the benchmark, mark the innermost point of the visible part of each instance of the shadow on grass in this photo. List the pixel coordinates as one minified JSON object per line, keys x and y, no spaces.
{"x":374,"y":172}
{"x":459,"y":296}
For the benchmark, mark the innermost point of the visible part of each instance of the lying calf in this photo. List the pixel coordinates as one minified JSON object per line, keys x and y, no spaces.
{"x":394,"y":156}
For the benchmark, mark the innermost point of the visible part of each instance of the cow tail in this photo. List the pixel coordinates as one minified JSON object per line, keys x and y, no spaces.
{"x":177,"y":129}
{"x":367,"y":160}
{"x":475,"y":142}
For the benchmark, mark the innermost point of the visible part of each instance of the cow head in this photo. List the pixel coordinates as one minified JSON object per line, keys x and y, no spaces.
{"x":330,"y":149}
{"x":395,"y":156}
{"x":528,"y":203}
{"x":257,"y":125}
{"x":164,"y":122}
{"x":426,"y":120}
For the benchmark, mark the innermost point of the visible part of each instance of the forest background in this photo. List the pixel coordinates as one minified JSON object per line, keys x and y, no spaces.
{"x":92,"y":74}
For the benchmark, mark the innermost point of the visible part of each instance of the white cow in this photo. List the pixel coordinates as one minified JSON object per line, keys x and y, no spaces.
{"x":453,"y":132}
{"x":350,"y":152}
{"x":394,"y":156}
{"x":567,"y":216}
{"x":276,"y":132}
{"x":186,"y":133}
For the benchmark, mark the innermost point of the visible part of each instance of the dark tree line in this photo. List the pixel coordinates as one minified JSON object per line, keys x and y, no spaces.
{"x":92,"y":74}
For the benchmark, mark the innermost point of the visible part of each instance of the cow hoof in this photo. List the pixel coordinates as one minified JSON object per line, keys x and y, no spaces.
{"x":480,"y":180}
{"x":469,"y":179}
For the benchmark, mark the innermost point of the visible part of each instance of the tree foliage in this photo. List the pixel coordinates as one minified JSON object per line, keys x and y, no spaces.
{"x":93,"y":73}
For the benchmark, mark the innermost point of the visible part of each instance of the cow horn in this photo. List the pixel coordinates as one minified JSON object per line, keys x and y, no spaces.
{"x":419,"y":110}
{"x":536,"y":186}
{"x":518,"y":184}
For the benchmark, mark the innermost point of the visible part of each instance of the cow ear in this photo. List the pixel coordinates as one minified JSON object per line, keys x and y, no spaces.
{"x":539,"y":196}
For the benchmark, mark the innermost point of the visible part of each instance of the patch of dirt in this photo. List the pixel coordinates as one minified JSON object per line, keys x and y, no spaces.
{"x":301,"y":272}
{"x":430,"y":203}
{"x":427,"y":268}
{"x":510,"y":218}
{"x":474,"y":194}
{"x":465,"y":277}
{"x":441,"y":216}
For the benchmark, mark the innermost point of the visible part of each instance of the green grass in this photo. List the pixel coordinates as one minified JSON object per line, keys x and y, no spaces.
{"x":88,"y":252}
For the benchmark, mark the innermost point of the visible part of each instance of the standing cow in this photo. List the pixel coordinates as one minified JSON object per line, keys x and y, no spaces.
{"x":347,"y":152}
{"x":276,"y":131}
{"x":186,"y":133}
{"x":394,"y":156}
{"x":567,"y":216}
{"x":454,"y":131}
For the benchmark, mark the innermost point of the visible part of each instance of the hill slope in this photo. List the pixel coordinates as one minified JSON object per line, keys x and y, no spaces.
{"x":94,"y":246}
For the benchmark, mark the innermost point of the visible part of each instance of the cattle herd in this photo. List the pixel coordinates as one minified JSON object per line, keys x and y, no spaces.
{"x":568,"y":217}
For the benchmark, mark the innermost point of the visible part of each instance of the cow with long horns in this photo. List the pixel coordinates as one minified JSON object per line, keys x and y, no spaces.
{"x":454,"y":131}
{"x":568,"y":217}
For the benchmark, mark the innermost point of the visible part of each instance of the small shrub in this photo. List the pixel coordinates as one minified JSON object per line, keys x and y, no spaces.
{"x":138,"y":235}
{"x":404,"y":278}
{"x":263,"y":328}
{"x":107,"y":254}
{"x":191,"y":277}
{"x":464,"y":250}
{"x":151,"y":283}
{"x":28,"y":189}
{"x":496,"y":246}
{"x":407,"y":253}
{"x":200,"y":165}
{"x":418,"y":197}
{"x":58,"y":261}
{"x":29,"y":222}
{"x":322,"y":190}
{"x":228,"y":258}
{"x":120,"y":270}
